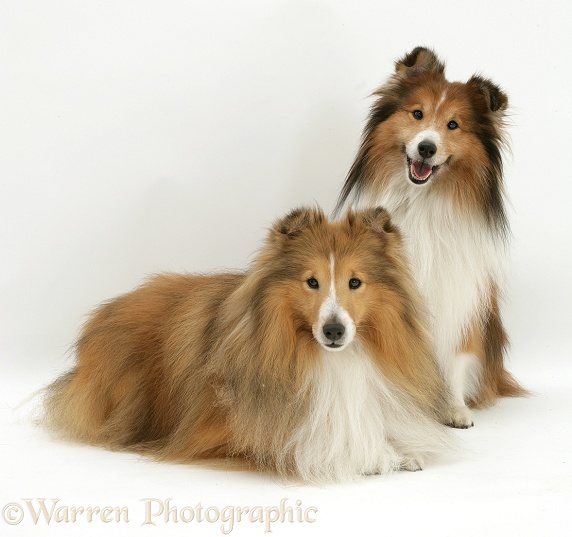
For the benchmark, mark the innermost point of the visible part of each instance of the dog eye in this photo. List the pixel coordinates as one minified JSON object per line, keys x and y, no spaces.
{"x":312,"y":283}
{"x":452,"y":125}
{"x":354,"y":283}
{"x":417,"y":114}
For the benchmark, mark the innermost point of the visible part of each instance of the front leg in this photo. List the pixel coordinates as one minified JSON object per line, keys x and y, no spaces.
{"x":463,"y":380}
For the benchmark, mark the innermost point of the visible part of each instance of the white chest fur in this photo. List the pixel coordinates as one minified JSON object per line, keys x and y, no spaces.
{"x":358,"y":423}
{"x":454,"y":258}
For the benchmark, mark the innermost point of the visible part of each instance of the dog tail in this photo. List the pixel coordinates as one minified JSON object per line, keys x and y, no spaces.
{"x":57,"y":408}
{"x":508,"y":386}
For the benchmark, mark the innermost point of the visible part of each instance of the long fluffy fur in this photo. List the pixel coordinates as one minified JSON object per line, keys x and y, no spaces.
{"x":454,"y":221}
{"x":227,"y":366}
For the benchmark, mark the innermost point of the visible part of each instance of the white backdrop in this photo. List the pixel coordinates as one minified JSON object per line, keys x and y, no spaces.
{"x":143,"y":136}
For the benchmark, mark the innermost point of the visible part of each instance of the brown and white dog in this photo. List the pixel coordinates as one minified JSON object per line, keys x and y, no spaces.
{"x":431,"y":154}
{"x":316,"y":362}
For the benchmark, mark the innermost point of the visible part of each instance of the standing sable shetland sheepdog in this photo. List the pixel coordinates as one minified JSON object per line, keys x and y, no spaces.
{"x":431,"y":155}
{"x":315,"y":362}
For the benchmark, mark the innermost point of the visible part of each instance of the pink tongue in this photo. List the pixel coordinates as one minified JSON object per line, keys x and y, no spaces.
{"x":421,"y":170}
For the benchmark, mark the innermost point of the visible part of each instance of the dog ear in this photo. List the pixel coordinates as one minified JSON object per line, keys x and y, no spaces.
{"x":496,"y":99}
{"x":419,"y":61}
{"x":291,"y":225}
{"x":378,"y":220}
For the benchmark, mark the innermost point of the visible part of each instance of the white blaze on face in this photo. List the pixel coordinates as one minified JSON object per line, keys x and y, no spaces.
{"x":333,"y":313}
{"x":441,"y":101}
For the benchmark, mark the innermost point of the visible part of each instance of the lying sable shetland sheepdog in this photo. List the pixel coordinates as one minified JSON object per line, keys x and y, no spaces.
{"x":315,"y":362}
{"x":431,"y":155}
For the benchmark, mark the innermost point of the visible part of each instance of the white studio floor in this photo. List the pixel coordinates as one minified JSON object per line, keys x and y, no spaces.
{"x":512,"y":478}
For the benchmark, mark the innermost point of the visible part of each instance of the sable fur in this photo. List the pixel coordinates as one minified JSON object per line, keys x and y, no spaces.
{"x":192,"y":367}
{"x":454,"y":220}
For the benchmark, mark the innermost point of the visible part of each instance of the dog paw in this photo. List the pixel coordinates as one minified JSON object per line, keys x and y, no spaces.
{"x":460,"y":418}
{"x":412,"y":463}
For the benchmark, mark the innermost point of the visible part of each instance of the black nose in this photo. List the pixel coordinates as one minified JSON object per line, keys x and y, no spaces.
{"x":426,"y":149}
{"x":333,"y":331}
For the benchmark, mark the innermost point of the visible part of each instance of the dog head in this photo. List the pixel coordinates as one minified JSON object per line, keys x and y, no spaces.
{"x":328,"y":277}
{"x":430,"y":133}
{"x":442,"y":123}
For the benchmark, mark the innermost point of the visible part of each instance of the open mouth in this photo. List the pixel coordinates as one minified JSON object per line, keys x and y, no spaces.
{"x":420,"y":171}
